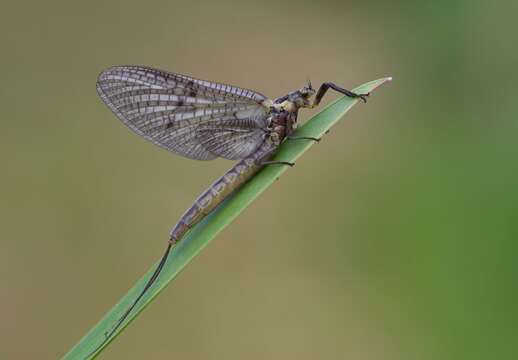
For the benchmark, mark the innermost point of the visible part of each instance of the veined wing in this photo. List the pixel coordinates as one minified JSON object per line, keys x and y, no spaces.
{"x":233,"y":139}
{"x":179,"y":113}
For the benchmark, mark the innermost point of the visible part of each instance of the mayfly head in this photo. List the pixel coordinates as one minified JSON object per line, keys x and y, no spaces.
{"x":303,"y":95}
{"x":307,"y":91}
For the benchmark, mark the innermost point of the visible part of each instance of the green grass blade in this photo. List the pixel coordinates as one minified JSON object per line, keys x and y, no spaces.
{"x":206,"y":230}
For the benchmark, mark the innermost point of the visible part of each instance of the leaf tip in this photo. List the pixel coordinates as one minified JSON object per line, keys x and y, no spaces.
{"x":377,"y":83}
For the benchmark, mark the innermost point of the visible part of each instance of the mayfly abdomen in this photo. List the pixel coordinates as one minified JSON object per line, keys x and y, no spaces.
{"x":220,"y":189}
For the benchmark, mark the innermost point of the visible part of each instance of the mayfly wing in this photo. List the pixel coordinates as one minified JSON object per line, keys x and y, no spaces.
{"x":194,"y":118}
{"x":232,"y":139}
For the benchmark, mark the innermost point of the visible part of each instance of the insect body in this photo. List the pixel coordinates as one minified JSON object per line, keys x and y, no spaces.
{"x":204,"y":120}
{"x":275,"y":130}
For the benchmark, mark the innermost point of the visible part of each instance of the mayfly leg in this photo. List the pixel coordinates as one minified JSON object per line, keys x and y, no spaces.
{"x":329,"y":85}
{"x":304,"y":138}
{"x":278,"y":163}
{"x":315,"y":139}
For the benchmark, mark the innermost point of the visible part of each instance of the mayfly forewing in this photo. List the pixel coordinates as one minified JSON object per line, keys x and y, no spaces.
{"x":235,"y":138}
{"x":171,"y":109}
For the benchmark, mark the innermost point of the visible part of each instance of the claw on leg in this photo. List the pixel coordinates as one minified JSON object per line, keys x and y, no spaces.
{"x":363,"y":97}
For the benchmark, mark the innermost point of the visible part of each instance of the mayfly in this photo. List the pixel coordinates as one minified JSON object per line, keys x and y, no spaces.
{"x":204,"y":120}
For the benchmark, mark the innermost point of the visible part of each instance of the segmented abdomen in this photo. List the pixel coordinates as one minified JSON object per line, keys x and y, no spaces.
{"x":220,"y":189}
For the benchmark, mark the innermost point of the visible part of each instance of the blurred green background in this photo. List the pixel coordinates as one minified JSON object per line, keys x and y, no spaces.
{"x":395,"y":238}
